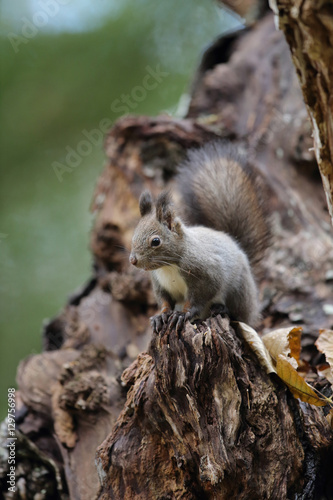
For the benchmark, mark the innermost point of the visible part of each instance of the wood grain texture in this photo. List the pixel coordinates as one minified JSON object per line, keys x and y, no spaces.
{"x":308,"y":29}
{"x":201,"y":420}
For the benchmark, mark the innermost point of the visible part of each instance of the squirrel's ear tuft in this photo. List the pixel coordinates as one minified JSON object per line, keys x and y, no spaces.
{"x":177,"y":226}
{"x":145,"y":203}
{"x":164,"y":211}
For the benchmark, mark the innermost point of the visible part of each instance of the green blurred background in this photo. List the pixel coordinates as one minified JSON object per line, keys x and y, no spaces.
{"x":63,"y":65}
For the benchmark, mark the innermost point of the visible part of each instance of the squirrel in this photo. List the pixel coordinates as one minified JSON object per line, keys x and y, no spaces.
{"x":210,"y":260}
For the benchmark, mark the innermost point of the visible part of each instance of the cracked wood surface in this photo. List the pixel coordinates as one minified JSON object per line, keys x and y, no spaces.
{"x":308,"y":28}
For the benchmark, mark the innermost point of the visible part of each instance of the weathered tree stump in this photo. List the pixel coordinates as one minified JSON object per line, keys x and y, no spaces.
{"x":203,"y":420}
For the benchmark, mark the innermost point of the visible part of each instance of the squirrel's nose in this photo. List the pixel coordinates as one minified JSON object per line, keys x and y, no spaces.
{"x":133,"y":259}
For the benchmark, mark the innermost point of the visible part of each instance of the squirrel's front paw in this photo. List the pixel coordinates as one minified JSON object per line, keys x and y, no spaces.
{"x":156,"y":323}
{"x":159,"y":320}
{"x":177,"y":320}
{"x":192,"y":314}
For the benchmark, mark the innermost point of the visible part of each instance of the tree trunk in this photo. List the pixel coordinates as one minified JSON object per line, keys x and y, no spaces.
{"x":309,"y":33}
{"x":192,"y":415}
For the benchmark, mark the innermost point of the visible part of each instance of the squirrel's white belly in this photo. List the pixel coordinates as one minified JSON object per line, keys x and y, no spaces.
{"x":170,"y":279}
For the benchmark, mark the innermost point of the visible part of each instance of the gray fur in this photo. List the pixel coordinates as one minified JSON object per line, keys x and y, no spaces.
{"x":220,"y":273}
{"x":168,"y":229}
{"x":164,"y":209}
{"x":145,"y":203}
{"x":218,"y":190}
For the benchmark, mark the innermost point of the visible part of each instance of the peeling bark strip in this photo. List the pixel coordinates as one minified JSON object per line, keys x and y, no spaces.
{"x":202,"y":421}
{"x":308,"y":28}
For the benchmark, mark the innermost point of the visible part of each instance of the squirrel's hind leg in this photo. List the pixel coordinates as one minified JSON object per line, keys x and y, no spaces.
{"x":216,"y":309}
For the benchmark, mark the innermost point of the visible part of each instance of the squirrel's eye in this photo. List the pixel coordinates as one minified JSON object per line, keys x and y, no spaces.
{"x":155,"y":242}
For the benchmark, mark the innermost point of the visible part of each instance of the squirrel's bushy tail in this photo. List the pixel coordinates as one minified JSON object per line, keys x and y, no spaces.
{"x":220,"y":190}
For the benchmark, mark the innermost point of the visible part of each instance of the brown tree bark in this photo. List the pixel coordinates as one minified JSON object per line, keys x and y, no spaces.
{"x":308,"y":30}
{"x":202,"y":420}
{"x":196,"y":415}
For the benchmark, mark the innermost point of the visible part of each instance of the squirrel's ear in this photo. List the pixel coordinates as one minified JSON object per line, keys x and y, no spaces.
{"x":145,"y":203}
{"x":164,"y":211}
{"x":177,"y":226}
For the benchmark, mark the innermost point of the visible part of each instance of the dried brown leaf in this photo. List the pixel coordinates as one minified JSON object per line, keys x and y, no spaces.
{"x":285,"y":341}
{"x":256,"y":343}
{"x":294,"y":338}
{"x":297,"y":385}
{"x":324,"y":370}
{"x":304,"y":368}
{"x":324,"y":344}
